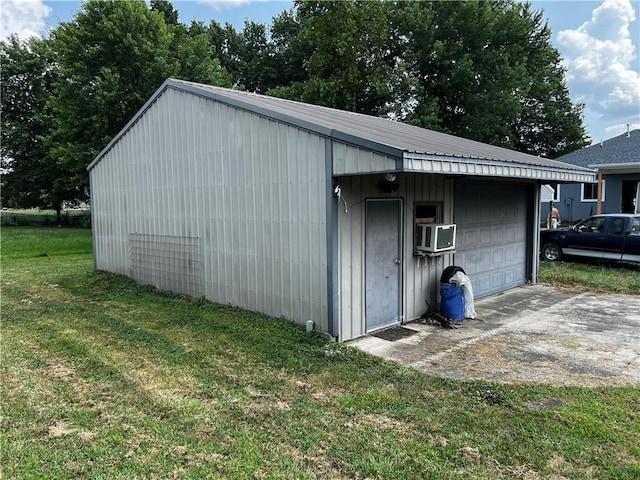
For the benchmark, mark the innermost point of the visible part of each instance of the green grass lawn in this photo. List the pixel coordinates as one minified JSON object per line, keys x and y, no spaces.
{"x":581,"y":275}
{"x":102,"y":378}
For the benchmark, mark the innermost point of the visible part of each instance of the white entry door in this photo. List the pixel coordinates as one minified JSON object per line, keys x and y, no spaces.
{"x":383,"y":262}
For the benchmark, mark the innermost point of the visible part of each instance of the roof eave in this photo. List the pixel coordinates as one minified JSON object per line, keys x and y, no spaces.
{"x":442,"y":164}
{"x":627,"y":167}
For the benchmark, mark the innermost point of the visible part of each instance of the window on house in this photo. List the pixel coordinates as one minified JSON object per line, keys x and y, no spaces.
{"x":426,"y":212}
{"x":589,"y":192}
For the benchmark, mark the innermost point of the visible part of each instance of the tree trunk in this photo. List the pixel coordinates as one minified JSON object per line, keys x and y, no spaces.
{"x":59,"y":214}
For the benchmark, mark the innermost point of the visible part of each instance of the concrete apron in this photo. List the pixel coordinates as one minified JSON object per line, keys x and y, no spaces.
{"x":531,"y":334}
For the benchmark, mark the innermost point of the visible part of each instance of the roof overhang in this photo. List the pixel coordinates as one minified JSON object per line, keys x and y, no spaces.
{"x":418,"y":162}
{"x":629,"y":167}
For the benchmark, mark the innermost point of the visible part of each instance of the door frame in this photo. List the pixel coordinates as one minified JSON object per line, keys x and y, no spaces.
{"x":400,"y":210}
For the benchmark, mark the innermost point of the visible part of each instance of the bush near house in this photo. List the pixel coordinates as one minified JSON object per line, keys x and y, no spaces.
{"x":103,"y":378}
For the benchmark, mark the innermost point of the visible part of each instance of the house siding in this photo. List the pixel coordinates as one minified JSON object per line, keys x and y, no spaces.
{"x":572,"y":209}
{"x":348,"y":159}
{"x":420,"y":276}
{"x":250,"y":189}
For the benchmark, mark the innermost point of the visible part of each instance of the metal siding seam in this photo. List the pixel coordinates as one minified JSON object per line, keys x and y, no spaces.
{"x":331,"y":228}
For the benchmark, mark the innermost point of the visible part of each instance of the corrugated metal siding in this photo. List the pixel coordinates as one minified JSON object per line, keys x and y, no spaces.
{"x":250,"y":188}
{"x":348,"y":160}
{"x":381,"y":131}
{"x":420,"y":277}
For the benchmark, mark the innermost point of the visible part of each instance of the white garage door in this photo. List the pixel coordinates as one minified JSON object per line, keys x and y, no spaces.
{"x":491,"y":243}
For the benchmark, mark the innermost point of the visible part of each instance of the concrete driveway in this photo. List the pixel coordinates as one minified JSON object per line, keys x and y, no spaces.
{"x":531,"y":334}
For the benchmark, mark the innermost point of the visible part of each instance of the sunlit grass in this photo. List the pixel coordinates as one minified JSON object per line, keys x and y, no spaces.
{"x":103,"y":378}
{"x":49,"y":242}
{"x":595,"y":277}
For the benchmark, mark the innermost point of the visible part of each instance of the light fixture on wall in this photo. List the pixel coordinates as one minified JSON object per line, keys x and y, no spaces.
{"x":389,"y":184}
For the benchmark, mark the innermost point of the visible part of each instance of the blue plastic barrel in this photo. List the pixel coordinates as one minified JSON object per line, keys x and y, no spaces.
{"x":452,"y":304}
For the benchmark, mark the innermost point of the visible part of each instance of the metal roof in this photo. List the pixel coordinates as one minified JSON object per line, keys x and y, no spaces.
{"x":413,"y":145}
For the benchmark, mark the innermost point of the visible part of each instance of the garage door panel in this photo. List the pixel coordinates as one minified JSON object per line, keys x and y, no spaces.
{"x":510,"y":255}
{"x":482,"y":285}
{"x":497,"y":280}
{"x":509,"y":277}
{"x":484,"y":260}
{"x":510,"y":233}
{"x":470,"y":239}
{"x":491,"y":224}
{"x":497,"y":235}
{"x":485,"y":238}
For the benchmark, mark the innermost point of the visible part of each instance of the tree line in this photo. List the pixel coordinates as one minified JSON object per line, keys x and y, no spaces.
{"x":483,"y":70}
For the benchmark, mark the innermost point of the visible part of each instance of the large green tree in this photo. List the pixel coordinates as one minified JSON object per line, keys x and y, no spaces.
{"x":549,"y":124}
{"x":484,"y":70}
{"x":31,"y":178}
{"x":291,"y":48}
{"x":112,"y":56}
{"x":487,"y":70}
{"x":353,"y":60}
{"x":246,"y":55}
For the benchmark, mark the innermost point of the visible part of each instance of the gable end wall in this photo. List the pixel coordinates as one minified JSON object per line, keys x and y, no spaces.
{"x":251,"y":191}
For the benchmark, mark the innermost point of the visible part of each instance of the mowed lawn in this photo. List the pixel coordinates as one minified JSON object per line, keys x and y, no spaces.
{"x":105,"y":379}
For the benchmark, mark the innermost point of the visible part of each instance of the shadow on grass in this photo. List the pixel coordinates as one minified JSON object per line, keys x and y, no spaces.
{"x":613,"y":265}
{"x":141,"y":317}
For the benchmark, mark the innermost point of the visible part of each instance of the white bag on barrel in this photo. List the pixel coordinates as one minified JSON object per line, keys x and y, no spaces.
{"x":464,"y":281}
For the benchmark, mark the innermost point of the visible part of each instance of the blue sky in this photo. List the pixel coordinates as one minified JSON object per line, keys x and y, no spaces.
{"x":598,"y":40}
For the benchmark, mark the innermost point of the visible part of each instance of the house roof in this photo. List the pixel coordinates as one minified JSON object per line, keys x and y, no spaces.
{"x":415,"y":148}
{"x":619,"y":154}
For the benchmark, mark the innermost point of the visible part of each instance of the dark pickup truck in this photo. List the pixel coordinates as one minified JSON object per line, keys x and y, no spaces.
{"x":614,"y":236}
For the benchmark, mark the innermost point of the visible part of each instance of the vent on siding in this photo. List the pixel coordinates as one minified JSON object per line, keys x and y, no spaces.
{"x":167,"y":262}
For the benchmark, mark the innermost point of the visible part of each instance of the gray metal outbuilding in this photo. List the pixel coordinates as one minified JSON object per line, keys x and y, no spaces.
{"x":285,"y":208}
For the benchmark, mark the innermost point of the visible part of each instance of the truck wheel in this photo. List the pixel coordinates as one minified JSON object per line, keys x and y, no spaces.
{"x":551,"y":252}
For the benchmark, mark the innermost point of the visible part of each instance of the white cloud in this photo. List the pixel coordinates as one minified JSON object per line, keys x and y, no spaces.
{"x":619,"y":129}
{"x":25,"y":18}
{"x":223,"y":4}
{"x":600,"y":57}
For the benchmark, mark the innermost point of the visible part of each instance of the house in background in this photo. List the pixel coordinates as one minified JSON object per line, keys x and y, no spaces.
{"x":310,"y":213}
{"x":617,"y":165}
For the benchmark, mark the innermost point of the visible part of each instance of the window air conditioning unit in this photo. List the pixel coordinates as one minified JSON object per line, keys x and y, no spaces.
{"x":434,"y":238}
